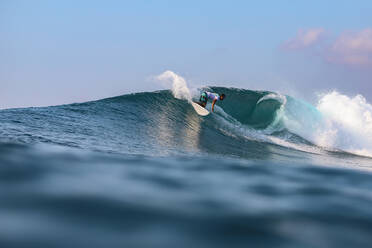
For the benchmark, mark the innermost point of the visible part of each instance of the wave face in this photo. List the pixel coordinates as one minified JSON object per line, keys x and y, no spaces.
{"x":248,"y":124}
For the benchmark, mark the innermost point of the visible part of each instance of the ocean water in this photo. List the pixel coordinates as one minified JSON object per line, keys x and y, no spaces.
{"x":144,"y":170}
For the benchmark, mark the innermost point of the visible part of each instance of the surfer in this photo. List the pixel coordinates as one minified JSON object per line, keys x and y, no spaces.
{"x":214,"y":97}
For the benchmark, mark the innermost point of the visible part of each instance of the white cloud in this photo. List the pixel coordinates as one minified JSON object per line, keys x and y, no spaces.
{"x":304,"y":38}
{"x":352,"y":48}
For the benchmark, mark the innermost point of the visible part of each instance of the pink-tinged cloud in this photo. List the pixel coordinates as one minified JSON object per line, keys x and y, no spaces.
{"x":304,"y":39}
{"x":352,"y":48}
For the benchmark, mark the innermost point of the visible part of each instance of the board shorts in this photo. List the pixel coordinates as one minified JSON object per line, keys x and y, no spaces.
{"x":203,"y":97}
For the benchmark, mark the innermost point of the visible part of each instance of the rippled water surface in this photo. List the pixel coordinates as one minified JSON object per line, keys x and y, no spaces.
{"x":144,"y":170}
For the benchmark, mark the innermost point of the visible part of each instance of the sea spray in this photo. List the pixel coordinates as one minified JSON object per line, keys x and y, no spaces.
{"x":349,"y":123}
{"x":178,"y":84}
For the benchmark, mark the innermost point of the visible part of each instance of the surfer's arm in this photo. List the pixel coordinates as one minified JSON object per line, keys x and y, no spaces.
{"x":213,"y":103}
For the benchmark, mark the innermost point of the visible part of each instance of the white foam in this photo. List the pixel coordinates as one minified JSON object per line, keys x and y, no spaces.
{"x":276,"y":96}
{"x":348,"y":123}
{"x":177,"y":83}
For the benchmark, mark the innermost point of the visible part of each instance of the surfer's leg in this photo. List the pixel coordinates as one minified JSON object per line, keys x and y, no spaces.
{"x":203,"y":100}
{"x":203,"y":104}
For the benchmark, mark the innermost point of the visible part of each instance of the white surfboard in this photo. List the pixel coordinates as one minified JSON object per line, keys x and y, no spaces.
{"x":199,"y":109}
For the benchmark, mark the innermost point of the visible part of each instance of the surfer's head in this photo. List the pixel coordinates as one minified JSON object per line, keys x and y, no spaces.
{"x":222,"y":96}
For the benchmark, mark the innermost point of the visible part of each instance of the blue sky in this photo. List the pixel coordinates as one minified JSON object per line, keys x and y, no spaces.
{"x":54,"y":52}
